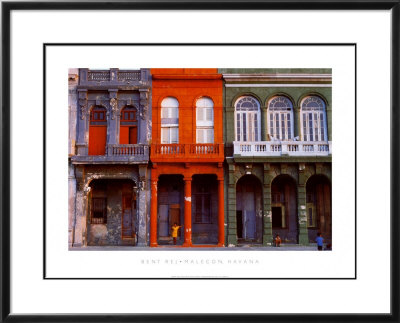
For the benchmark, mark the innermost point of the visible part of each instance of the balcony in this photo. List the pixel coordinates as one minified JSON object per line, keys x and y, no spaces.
{"x":282,"y":149}
{"x":116,"y":154}
{"x":187,"y":152}
{"x":113,"y":77}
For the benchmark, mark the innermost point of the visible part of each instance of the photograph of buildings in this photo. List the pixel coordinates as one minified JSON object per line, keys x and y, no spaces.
{"x":200,"y":157}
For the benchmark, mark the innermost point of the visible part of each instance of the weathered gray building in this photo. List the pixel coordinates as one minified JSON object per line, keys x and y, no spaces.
{"x":110,"y":129}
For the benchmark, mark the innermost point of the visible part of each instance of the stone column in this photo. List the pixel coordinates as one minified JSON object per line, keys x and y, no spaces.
{"x":188,"y":212}
{"x":153,"y":210}
{"x":221,"y":213}
{"x":71,"y":203}
{"x":267,"y":232}
{"x":83,"y":124}
{"x":232,"y":234}
{"x":329,"y":121}
{"x":301,"y":203}
{"x":80,"y":227}
{"x":113,"y":119}
{"x":264,"y":124}
{"x":142,"y":206}
{"x":297,"y":123}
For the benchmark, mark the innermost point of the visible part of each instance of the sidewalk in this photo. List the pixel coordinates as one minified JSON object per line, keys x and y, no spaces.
{"x":283,"y":247}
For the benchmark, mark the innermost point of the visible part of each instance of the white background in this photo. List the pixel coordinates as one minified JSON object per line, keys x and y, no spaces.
{"x":369,"y":293}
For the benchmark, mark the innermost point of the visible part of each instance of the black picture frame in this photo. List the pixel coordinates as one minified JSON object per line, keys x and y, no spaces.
{"x":5,"y":248}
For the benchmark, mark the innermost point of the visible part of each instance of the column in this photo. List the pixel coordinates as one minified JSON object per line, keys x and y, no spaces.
{"x":142,"y":206}
{"x":71,"y":203}
{"x":83,"y":122}
{"x":113,"y":118}
{"x":188,"y":212}
{"x":232,"y":231}
{"x":267,"y":232}
{"x":153,"y":212}
{"x":221,"y":213}
{"x":301,"y":204}
{"x":80,"y":227}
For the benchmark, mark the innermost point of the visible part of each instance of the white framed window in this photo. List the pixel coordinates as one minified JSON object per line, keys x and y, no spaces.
{"x":280,"y":118}
{"x":204,"y":120}
{"x":169,"y":121}
{"x":313,"y":119}
{"x":247,"y":119}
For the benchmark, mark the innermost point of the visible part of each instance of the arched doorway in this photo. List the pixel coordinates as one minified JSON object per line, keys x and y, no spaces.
{"x":249,"y":209}
{"x":319,"y":207}
{"x":170,"y":208}
{"x":284,"y":208}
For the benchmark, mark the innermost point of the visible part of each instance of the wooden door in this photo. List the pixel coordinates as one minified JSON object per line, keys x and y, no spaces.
{"x":163,"y":225}
{"x":249,"y":219}
{"x":97,"y":140}
{"x":127,"y":221}
{"x":133,"y":135}
{"x":324,"y":207}
{"x":174,"y":215}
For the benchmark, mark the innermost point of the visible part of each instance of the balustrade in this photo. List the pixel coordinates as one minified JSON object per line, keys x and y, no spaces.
{"x":279,"y":148}
{"x":187,"y":150}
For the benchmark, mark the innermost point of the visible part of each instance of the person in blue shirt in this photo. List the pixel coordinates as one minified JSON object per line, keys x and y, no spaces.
{"x":320,"y":241}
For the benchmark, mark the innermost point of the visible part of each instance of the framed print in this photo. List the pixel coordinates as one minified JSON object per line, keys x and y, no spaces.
{"x":166,"y":160}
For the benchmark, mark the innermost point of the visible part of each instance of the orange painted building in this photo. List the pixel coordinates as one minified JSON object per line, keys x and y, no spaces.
{"x":187,"y":155}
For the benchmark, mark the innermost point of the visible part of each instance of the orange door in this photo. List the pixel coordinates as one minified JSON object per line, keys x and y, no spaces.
{"x":97,"y":140}
{"x":133,"y":135}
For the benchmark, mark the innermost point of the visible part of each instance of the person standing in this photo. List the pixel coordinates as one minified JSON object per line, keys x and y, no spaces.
{"x":174,"y":230}
{"x":278,"y":240}
{"x":320,"y":241}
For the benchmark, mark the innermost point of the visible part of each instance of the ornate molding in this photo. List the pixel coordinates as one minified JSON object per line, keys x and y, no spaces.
{"x":114,"y":107}
{"x":144,"y":102}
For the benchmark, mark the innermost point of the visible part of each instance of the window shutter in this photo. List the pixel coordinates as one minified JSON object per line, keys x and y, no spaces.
{"x":209,"y":114}
{"x":174,"y":136}
{"x":200,"y":136}
{"x":200,"y":113}
{"x":210,"y":136}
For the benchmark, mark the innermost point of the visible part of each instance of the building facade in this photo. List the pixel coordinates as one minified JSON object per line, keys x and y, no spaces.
{"x":232,"y":156}
{"x":187,"y":156}
{"x":278,"y":145}
{"x":110,"y":129}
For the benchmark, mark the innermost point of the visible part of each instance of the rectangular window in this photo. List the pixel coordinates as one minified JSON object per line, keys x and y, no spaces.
{"x":169,"y":135}
{"x":99,"y":210}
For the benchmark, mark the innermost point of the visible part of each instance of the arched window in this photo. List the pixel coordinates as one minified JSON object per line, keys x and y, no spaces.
{"x":98,"y":131}
{"x":128,"y":126}
{"x":204,"y":120}
{"x":313,"y":119}
{"x":247,"y":119}
{"x":280,"y":116}
{"x":169,"y":121}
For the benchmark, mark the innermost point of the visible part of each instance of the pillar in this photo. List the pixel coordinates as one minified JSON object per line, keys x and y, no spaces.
{"x":267,"y":223}
{"x":153,"y":211}
{"x":142,"y":206}
{"x":188,"y":212}
{"x":232,"y":232}
{"x":71,"y":203}
{"x":83,"y":124}
{"x":221,"y":213}
{"x":113,"y":118}
{"x":302,"y":210}
{"x":80,"y":223}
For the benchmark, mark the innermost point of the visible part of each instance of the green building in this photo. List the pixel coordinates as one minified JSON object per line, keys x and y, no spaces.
{"x":278,"y":145}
